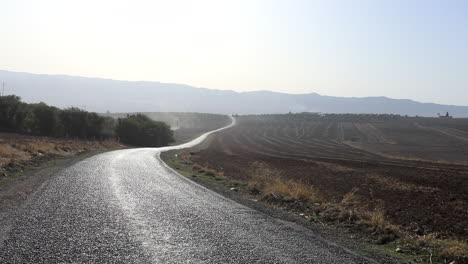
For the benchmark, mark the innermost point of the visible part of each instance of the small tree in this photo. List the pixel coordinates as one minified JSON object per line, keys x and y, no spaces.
{"x":44,"y":120}
{"x":140,"y":130}
{"x":74,"y":122}
{"x":13,"y":112}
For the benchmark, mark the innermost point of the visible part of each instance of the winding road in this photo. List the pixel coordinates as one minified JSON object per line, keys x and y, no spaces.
{"x":127,"y":206}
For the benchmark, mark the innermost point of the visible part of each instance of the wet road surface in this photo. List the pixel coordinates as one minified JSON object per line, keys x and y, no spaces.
{"x":127,"y":206}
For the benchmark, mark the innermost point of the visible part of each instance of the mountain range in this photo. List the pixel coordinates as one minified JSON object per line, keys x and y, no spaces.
{"x":106,"y":95}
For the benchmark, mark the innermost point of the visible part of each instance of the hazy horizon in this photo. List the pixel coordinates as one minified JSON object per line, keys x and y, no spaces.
{"x":11,"y":90}
{"x":102,"y":95}
{"x":397,"y":49}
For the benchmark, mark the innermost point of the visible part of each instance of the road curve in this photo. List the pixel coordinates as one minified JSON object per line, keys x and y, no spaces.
{"x":127,"y":206}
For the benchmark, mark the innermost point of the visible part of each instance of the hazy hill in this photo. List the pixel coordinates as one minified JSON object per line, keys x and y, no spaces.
{"x":103,"y":95}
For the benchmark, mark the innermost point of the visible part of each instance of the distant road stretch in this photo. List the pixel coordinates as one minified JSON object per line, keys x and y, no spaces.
{"x":127,"y":206}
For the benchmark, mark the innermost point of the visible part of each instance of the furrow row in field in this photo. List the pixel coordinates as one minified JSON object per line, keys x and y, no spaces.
{"x":309,"y":147}
{"x":372,"y":134}
{"x":285,"y":140}
{"x":299,"y":145}
{"x":278,"y":139}
{"x":338,"y":147}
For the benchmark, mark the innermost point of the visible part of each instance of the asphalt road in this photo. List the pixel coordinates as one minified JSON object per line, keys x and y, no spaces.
{"x":127,"y":206}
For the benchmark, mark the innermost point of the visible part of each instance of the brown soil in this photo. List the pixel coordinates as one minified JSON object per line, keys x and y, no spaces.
{"x":427,"y":194}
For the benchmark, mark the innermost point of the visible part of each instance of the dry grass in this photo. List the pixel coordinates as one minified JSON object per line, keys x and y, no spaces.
{"x":374,"y":218}
{"x":40,"y":146}
{"x":268,"y":182}
{"x":448,"y":247}
{"x":292,"y":189}
{"x":5,"y":151}
{"x":369,"y":213}
{"x":454,"y":248}
{"x":351,"y":198}
{"x":9,"y":154}
{"x":22,"y":148}
{"x":207,"y":171}
{"x":392,"y":183}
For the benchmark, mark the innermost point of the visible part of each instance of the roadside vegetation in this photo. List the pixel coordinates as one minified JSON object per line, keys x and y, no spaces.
{"x":44,"y":120}
{"x":34,"y":134}
{"x":19,"y":153}
{"x":140,"y":130}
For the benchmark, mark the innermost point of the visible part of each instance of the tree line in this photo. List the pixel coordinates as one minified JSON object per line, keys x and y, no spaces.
{"x":42,"y":119}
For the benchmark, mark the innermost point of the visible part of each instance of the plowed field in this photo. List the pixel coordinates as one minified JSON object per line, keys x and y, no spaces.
{"x":415,"y":168}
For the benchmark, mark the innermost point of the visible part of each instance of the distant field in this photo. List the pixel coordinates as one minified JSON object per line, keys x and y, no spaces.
{"x":354,"y":137}
{"x":413,"y":169}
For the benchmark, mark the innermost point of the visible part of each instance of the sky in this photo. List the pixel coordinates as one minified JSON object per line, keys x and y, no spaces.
{"x":416,"y":49}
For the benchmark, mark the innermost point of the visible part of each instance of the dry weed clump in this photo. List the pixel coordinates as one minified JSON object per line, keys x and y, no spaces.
{"x":5,"y":151}
{"x":434,"y":250}
{"x":268,"y":182}
{"x":375,"y":218}
{"x":9,"y":154}
{"x":291,"y":189}
{"x":351,"y":198}
{"x":39,"y":146}
{"x":454,"y":248}
{"x":207,"y":171}
{"x":448,"y":248}
{"x":371,"y":213}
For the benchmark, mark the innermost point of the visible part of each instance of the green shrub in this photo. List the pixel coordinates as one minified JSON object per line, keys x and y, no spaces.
{"x":46,"y":120}
{"x":13,"y":112}
{"x":140,"y":130}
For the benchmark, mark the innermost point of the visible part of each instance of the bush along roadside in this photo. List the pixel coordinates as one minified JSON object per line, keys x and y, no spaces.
{"x":140,"y":130}
{"x":44,"y":120}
